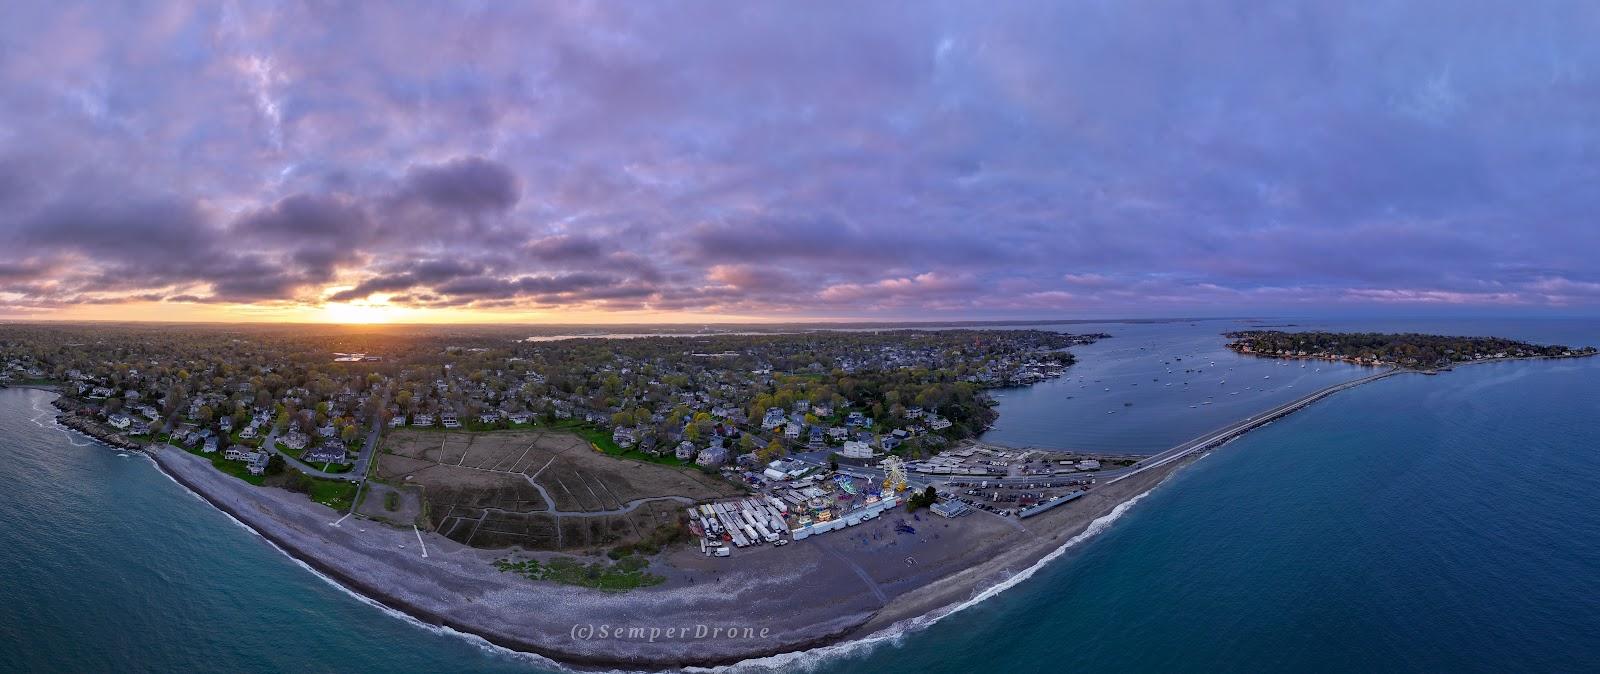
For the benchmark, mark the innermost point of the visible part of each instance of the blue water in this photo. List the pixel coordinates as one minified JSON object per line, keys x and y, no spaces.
{"x":1416,"y":524}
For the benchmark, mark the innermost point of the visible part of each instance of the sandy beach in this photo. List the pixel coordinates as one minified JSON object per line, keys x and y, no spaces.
{"x":839,"y":586}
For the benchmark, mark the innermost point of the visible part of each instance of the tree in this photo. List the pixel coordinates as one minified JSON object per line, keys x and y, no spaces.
{"x":772,"y":452}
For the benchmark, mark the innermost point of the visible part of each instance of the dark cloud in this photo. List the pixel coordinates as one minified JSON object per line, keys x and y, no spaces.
{"x":469,"y":184}
{"x":308,"y":217}
{"x":562,"y":247}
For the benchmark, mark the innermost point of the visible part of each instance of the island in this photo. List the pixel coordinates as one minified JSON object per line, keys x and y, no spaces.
{"x":1408,"y":350}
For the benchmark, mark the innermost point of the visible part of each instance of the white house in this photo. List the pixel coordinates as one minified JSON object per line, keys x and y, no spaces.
{"x":856,"y":449}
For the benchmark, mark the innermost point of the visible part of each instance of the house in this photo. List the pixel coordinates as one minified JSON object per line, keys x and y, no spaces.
{"x":792,"y":431}
{"x":422,"y":420}
{"x":237,"y":453}
{"x":295,"y":440}
{"x":139,"y":428}
{"x":397,"y":421}
{"x":623,"y":436}
{"x":327,"y":431}
{"x":490,"y":417}
{"x":712,"y":456}
{"x":520,"y":417}
{"x":449,"y":420}
{"x":226,"y":424}
{"x":328,"y":452}
{"x":210,"y":445}
{"x":938,"y":423}
{"x":856,"y":449}
{"x":249,"y":433}
{"x":685,"y":450}
{"x":773,"y":419}
{"x":258,"y":462}
{"x":119,"y":420}
{"x":815,"y":441}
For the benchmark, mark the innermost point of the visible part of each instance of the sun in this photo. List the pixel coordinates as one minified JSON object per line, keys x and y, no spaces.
{"x":358,"y":312}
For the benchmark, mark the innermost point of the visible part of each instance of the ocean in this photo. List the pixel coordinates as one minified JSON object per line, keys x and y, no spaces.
{"x":1415,"y":524}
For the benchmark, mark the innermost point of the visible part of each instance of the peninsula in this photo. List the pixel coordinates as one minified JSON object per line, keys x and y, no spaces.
{"x":648,"y":502}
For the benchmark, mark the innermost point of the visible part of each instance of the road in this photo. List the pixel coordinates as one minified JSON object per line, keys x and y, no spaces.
{"x":364,"y":459}
{"x":271,"y":443}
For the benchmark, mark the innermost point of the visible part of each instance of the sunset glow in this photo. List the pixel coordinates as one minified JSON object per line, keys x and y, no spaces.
{"x":619,"y":162}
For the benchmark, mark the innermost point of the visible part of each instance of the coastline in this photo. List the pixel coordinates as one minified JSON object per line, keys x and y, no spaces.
{"x":457,"y":588}
{"x":436,"y":592}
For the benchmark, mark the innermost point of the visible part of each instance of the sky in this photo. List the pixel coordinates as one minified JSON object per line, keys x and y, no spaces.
{"x":733,"y":161}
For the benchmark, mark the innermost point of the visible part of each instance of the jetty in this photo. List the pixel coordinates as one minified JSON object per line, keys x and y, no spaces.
{"x":1239,"y":428}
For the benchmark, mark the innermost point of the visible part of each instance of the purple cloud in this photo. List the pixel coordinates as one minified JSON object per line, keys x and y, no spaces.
{"x":933,"y":158}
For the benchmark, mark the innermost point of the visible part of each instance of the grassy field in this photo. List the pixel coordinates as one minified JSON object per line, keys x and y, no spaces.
{"x":336,"y":494}
{"x":497,"y":489}
{"x":626,"y":574}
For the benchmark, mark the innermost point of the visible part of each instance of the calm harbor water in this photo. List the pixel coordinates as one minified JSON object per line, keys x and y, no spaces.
{"x":1420,"y":523}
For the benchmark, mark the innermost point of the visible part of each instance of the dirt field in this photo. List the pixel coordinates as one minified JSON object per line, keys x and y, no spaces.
{"x":538,"y":490}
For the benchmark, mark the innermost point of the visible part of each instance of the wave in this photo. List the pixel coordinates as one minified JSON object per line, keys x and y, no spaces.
{"x":810,"y":660}
{"x":802,"y":660}
{"x":72,"y":436}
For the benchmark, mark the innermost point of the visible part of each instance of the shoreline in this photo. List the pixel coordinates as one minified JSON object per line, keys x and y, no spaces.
{"x":372,"y":570}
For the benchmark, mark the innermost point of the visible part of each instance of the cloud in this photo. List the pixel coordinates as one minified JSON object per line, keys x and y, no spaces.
{"x":468,"y":184}
{"x":951,"y":158}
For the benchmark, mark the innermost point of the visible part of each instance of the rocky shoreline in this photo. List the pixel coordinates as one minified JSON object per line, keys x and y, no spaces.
{"x":87,"y":426}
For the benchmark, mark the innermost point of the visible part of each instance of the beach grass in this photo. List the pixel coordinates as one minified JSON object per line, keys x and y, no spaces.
{"x":626,"y":574}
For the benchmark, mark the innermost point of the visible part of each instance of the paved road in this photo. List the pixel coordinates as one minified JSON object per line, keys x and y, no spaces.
{"x":371,"y":446}
{"x":271,"y":443}
{"x":364,"y":459}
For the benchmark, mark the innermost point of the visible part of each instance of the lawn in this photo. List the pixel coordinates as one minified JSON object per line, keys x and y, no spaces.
{"x":234,"y":468}
{"x":336,"y":494}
